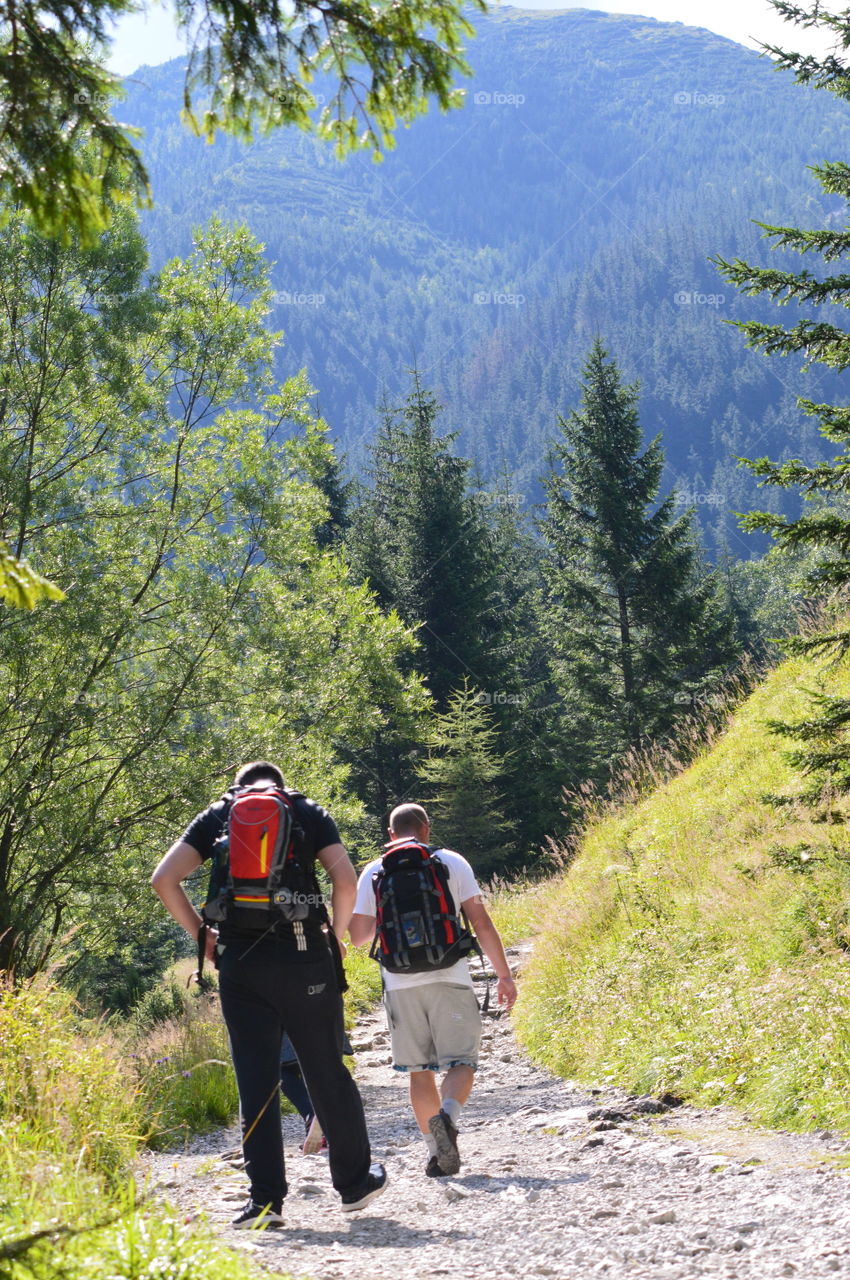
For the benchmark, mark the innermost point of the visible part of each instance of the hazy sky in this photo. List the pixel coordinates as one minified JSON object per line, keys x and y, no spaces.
{"x":152,"y":39}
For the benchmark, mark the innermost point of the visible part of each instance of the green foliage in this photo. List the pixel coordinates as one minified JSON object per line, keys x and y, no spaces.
{"x":635,"y":622}
{"x":517,"y":908}
{"x":70,"y":1126}
{"x":57,"y":1089}
{"x":163,"y":1003}
{"x":768,"y":598}
{"x":257,"y":68}
{"x":461,"y":567}
{"x":420,"y":540}
{"x":204,"y":623}
{"x":461,"y":773}
{"x":65,"y":158}
{"x":364,"y":983}
{"x":687,"y":950}
{"x":182,"y":1062}
{"x":20,"y":586}
{"x":822,"y":532}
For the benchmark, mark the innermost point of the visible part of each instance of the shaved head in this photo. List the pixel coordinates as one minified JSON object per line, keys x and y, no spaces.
{"x":409,"y":820}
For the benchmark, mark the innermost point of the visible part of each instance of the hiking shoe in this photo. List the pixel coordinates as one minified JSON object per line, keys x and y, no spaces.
{"x":433,"y":1170}
{"x":375,"y":1183}
{"x":445,"y":1135}
{"x":314,"y":1140}
{"x":257,"y":1217}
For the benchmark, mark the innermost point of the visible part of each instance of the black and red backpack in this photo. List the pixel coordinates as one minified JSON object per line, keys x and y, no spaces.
{"x":419,"y":927}
{"x":261,"y":871}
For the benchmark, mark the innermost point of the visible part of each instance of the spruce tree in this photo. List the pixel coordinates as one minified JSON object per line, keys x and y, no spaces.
{"x":459,"y":567}
{"x":636,"y":624}
{"x":462,"y":773}
{"x":823,"y":530}
{"x":422,"y":543}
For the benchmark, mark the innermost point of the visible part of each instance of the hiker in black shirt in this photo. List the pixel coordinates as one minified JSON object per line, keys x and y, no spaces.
{"x":283,"y":978}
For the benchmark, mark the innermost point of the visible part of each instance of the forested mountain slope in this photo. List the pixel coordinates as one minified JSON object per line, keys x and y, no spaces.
{"x":597,"y":163}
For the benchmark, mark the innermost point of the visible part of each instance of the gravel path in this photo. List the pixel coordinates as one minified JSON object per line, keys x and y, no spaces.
{"x":548,"y":1187}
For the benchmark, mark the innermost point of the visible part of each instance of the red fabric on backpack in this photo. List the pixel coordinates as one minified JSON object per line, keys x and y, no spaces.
{"x":258,"y":820}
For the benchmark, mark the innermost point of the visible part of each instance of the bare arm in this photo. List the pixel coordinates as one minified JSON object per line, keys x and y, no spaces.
{"x":334,"y":858}
{"x":361,"y":929}
{"x":167,"y":881}
{"x":491,"y":944}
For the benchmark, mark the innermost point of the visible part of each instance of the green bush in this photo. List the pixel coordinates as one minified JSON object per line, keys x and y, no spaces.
{"x":162,"y":1003}
{"x":63,"y":1084}
{"x":364,"y":983}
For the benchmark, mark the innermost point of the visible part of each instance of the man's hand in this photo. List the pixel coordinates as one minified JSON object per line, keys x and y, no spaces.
{"x":211,"y":940}
{"x":506,"y":992}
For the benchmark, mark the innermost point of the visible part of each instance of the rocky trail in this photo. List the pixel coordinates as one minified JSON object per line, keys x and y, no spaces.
{"x":556,"y":1181}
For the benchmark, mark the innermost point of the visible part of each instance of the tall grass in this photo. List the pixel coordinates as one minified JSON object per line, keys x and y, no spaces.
{"x":697,"y":943}
{"x":71,"y":1122}
{"x":182,"y":1063}
{"x":364,"y":983}
{"x":518,"y":908}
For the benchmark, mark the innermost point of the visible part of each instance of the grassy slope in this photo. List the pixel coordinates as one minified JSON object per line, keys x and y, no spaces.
{"x":691,"y":948}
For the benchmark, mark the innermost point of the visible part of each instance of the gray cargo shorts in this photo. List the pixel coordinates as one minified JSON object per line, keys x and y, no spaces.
{"x":433,"y":1026}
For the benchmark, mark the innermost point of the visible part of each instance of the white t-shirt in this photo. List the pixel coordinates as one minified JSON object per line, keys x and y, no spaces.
{"x":462,"y":884}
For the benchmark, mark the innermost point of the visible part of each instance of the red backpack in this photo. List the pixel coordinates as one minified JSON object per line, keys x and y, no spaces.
{"x":260,"y":874}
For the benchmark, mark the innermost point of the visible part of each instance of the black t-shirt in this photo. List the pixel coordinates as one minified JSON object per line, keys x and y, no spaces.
{"x":318,"y":828}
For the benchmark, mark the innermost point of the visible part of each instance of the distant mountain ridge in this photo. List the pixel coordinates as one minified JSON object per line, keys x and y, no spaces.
{"x":597,"y":162}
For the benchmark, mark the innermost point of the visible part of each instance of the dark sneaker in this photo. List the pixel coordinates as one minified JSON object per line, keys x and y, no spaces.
{"x":433,"y":1170}
{"x":375,"y":1183}
{"x":445,"y":1135}
{"x":257,"y":1217}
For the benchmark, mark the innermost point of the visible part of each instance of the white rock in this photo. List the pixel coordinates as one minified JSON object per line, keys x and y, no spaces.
{"x":455,"y":1193}
{"x":663,"y":1218}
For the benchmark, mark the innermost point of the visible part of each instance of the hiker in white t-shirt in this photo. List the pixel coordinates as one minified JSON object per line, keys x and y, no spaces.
{"x":433,"y":1016}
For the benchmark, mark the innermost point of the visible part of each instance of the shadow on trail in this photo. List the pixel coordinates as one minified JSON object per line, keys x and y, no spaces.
{"x":369,"y":1233}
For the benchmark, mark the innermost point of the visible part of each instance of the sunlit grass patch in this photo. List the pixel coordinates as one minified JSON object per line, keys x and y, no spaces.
{"x":697,"y":943}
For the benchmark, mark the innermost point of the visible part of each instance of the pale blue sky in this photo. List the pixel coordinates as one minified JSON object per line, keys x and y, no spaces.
{"x":152,"y":39}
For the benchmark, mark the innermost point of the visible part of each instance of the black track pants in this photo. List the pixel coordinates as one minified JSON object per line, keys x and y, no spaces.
{"x":267,"y":988}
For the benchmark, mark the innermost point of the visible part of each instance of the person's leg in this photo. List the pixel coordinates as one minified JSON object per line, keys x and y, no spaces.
{"x":456,"y":1087}
{"x":314,"y":1019}
{"x":424,"y":1097}
{"x":295,"y":1090}
{"x":456,"y":1027}
{"x":254,"y":1027}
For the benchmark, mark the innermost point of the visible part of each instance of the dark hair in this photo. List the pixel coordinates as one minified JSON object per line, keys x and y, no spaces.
{"x":256,"y":770}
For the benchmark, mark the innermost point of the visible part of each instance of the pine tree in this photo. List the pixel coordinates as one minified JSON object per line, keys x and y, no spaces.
{"x":325,"y":470}
{"x":421,"y":541}
{"x":824,"y":529}
{"x":462,"y":772}
{"x":636,"y":624}
{"x":458,"y":567}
